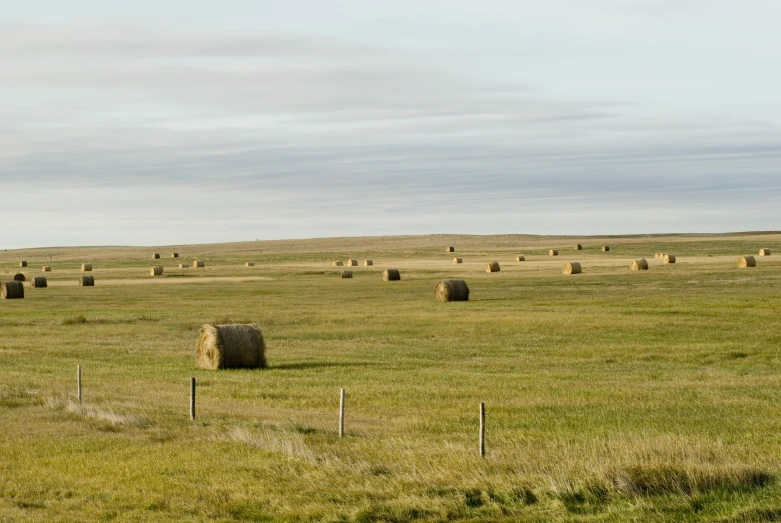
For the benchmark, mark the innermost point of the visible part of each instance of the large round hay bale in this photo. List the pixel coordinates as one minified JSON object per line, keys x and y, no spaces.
{"x":249,"y":264}
{"x":39,"y":282}
{"x":237,"y":346}
{"x":19,"y":277}
{"x":578,"y":247}
{"x":199,"y":263}
{"x":747,"y":261}
{"x":764,"y":252}
{"x":338,"y":263}
{"x":11,"y":290}
{"x":156,"y":256}
{"x":86,"y":267}
{"x":391,"y":275}
{"x":367,"y":263}
{"x":492,"y":267}
{"x":572,"y":268}
{"x":46,"y":268}
{"x":640,"y":264}
{"x":520,"y":257}
{"x":87,"y":281}
{"x":351,"y":263}
{"x":452,"y":290}
{"x":22,"y":263}
{"x":669,"y":258}
{"x":157,"y":270}
{"x":174,"y":255}
{"x":450,"y":248}
{"x":553,"y":252}
{"x":605,"y":248}
{"x":458,"y":260}
{"x":347,"y":274}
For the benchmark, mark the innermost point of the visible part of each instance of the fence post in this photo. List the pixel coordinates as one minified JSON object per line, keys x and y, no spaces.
{"x":341,"y":413}
{"x":482,"y":429}
{"x":192,"y":399}
{"x":78,"y":382}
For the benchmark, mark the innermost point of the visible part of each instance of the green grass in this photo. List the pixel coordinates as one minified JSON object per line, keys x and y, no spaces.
{"x":610,"y":396}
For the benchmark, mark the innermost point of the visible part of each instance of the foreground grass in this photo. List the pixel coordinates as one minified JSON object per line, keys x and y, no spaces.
{"x":611,"y":395}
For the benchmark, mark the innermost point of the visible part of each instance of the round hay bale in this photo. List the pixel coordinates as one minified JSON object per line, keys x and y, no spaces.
{"x":351,"y":263}
{"x":458,"y":260}
{"x":199,"y":263}
{"x":184,"y":266}
{"x":452,"y":290}
{"x":450,"y":248}
{"x":572,"y":268}
{"x":368,"y":263}
{"x":87,"y":281}
{"x":19,"y":277}
{"x":764,"y":252}
{"x":347,"y":274}
{"x":520,"y":257}
{"x":747,"y":261}
{"x":237,"y":346}
{"x":553,"y":252}
{"x":156,"y":256}
{"x":11,"y":290}
{"x":391,"y":275}
{"x":578,"y":247}
{"x":22,"y":263}
{"x":606,"y":248}
{"x":492,"y":267}
{"x":338,"y":263}
{"x":39,"y":282}
{"x":640,"y":264}
{"x":669,"y":258}
{"x":46,"y":268}
{"x":174,"y":255}
{"x":86,"y":267}
{"x":249,"y":264}
{"x":157,"y":270}
{"x":659,"y":255}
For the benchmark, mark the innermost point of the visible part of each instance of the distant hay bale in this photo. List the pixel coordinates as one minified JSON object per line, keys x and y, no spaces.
{"x":198,"y":263}
{"x":249,"y":264}
{"x":764,"y":252}
{"x":237,"y":346}
{"x":22,"y":263}
{"x":659,"y":255}
{"x":452,"y":290}
{"x":39,"y":282}
{"x":46,"y":268}
{"x":669,"y":258}
{"x":183,"y":266}
{"x":338,"y":263}
{"x":606,"y":248}
{"x":450,"y":248}
{"x":11,"y":290}
{"x":572,"y":268}
{"x":492,"y":267}
{"x":86,"y":267}
{"x":351,"y":263}
{"x":347,"y":274}
{"x":458,"y":260}
{"x":174,"y":255}
{"x":391,"y":275}
{"x":578,"y":247}
{"x":553,"y":252}
{"x":640,"y":264}
{"x":157,"y":270}
{"x":747,"y":261}
{"x":368,"y":263}
{"x":87,"y":281}
{"x":19,"y":277}
{"x":156,"y":256}
{"x":520,"y":257}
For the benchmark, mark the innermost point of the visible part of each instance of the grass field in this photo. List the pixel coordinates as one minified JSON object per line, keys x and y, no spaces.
{"x":612,"y":395}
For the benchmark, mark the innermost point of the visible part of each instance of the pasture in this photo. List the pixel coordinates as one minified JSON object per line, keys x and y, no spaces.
{"x":611,"y":395}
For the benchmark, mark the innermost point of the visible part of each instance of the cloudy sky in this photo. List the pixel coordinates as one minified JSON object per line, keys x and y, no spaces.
{"x":169,"y":122}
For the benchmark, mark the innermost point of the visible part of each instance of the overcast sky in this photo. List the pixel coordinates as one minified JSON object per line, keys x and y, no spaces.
{"x":169,"y":122}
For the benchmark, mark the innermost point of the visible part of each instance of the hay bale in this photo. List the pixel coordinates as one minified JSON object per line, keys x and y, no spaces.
{"x":174,"y":255}
{"x":572,"y":268}
{"x":22,"y":263}
{"x":338,"y":263}
{"x":492,"y":267}
{"x":351,"y":263}
{"x":157,"y":270}
{"x":11,"y":290}
{"x":452,"y":290}
{"x":367,"y":263}
{"x":553,"y":252}
{"x":249,"y":264}
{"x":747,"y":261}
{"x":39,"y":282}
{"x":669,"y":258}
{"x":156,"y":256}
{"x":391,"y":275}
{"x":238,"y":346}
{"x":606,"y":248}
{"x":458,"y":260}
{"x":578,"y":247}
{"x":347,"y":274}
{"x":764,"y":252}
{"x":640,"y":264}
{"x":198,"y":263}
{"x":184,"y":266}
{"x":520,"y":257}
{"x":46,"y":268}
{"x":87,"y":281}
{"x":450,"y":248}
{"x":659,"y":255}
{"x":86,"y":267}
{"x":19,"y":277}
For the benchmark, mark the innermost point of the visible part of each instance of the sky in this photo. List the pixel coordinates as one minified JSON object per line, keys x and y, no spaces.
{"x":175,"y":122}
